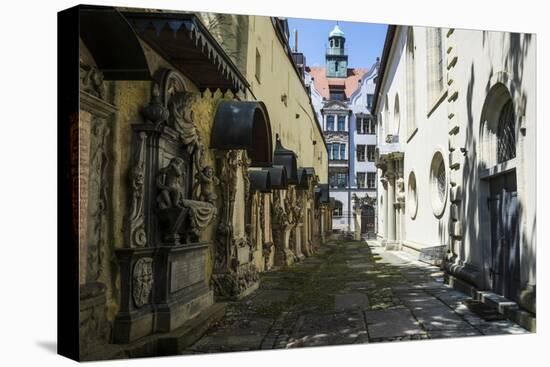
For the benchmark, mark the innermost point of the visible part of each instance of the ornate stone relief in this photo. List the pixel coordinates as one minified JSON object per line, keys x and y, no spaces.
{"x":283,"y":222}
{"x":174,"y":209}
{"x":142,"y":281}
{"x":91,"y":81}
{"x":234,"y":272}
{"x":97,"y":188}
{"x":138,"y":234}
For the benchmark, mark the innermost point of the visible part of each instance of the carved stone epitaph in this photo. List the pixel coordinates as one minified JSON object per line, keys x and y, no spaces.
{"x":235,"y":275}
{"x":172,"y":202}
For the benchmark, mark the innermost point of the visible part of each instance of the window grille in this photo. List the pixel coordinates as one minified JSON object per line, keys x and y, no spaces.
{"x":506,"y":134}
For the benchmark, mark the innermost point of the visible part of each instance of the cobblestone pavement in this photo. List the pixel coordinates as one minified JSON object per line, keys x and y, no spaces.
{"x":348,"y":292}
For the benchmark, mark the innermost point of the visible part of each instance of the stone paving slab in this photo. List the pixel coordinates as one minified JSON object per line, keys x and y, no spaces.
{"x":351,"y":301}
{"x":439,"y":318}
{"x":392,"y":323}
{"x":329,"y":338}
{"x":327,"y":322}
{"x":454,"y":333}
{"x":347,"y":293}
{"x":361,"y":285}
{"x":241,"y":335}
{"x":270,"y":296}
{"x":501,"y":327}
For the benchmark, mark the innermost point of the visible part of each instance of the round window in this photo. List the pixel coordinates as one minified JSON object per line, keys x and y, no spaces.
{"x":412,"y":195}
{"x":438,"y":181}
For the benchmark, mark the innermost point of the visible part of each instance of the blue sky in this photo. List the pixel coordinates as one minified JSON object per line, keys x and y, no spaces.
{"x":364,"y":41}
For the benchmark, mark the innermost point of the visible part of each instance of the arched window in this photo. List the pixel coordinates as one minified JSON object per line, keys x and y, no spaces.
{"x":434,"y":54}
{"x":498,"y":127}
{"x":506,"y":133}
{"x":411,"y":122}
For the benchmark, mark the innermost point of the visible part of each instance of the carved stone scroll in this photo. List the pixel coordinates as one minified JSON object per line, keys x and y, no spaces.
{"x":138,"y":235}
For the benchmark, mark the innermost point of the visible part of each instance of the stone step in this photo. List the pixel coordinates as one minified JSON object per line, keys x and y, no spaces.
{"x":506,"y":307}
{"x":428,"y":253}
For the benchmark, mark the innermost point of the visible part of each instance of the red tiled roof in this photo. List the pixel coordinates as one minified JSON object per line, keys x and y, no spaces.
{"x":349,"y":84}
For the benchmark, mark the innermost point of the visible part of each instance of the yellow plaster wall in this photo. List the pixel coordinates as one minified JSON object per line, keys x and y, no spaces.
{"x":294,"y":122}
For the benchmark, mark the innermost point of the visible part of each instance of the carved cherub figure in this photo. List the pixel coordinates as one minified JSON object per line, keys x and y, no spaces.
{"x":205,"y":181}
{"x":170,"y":184}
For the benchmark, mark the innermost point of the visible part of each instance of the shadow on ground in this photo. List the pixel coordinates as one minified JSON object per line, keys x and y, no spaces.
{"x":347,"y":293}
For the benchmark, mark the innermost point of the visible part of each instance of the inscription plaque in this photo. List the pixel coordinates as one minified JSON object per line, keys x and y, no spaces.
{"x":186,"y":270}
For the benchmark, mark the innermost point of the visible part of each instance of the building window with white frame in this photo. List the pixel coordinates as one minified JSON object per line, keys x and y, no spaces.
{"x":335,"y":151}
{"x":330,"y":122}
{"x":360,"y":152}
{"x":360,"y":122}
{"x":361,"y":183}
{"x":371,"y":180}
{"x":341,"y":123}
{"x":342,"y":151}
{"x":370,"y":152}
{"x":371,"y":126}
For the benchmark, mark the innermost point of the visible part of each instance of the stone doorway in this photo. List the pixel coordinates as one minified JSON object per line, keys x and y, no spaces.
{"x":504,"y":269}
{"x":367,"y":219}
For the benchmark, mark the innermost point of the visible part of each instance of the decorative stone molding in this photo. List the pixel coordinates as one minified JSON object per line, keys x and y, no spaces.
{"x":137,"y":232}
{"x":98,"y":194}
{"x":142,"y":281}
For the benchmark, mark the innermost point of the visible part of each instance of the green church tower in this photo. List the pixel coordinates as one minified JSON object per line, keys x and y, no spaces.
{"x":336,"y":57}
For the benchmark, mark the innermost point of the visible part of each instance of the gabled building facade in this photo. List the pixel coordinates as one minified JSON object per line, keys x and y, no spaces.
{"x":342,"y":98}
